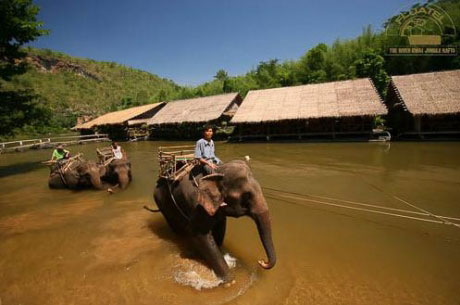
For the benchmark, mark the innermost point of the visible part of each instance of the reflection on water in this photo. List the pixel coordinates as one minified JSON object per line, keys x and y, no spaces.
{"x":89,"y":247}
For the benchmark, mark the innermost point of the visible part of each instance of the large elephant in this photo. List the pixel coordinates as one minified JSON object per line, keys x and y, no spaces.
{"x":197,"y":206}
{"x":80,"y":174}
{"x":118,"y":172}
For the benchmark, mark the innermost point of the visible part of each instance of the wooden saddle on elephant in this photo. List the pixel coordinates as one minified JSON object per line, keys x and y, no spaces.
{"x":64,"y":165}
{"x":175,"y":162}
{"x":72,"y":162}
{"x":104,"y":155}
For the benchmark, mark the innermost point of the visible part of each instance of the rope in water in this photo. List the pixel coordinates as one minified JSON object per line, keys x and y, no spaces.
{"x":297,"y":196}
{"x":443,"y":219}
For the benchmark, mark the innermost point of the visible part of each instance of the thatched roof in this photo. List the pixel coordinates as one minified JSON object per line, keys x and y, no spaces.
{"x":335,"y":99}
{"x":118,"y":117}
{"x":196,"y":110}
{"x":429,"y":93}
{"x":138,"y":121}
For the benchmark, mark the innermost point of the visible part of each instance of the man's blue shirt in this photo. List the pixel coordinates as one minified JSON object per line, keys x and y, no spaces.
{"x":205,"y":150}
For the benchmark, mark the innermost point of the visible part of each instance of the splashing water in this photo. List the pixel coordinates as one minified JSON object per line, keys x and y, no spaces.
{"x":196,"y":280}
{"x":195,"y":274}
{"x":230,"y":260}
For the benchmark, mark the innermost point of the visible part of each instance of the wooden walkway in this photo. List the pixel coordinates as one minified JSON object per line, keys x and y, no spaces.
{"x":43,"y":143}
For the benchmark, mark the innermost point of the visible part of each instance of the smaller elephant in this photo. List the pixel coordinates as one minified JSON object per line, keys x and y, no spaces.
{"x":77,"y":175}
{"x":117,"y":172}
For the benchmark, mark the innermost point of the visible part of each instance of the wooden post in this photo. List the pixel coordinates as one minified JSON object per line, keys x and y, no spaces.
{"x":418,"y":123}
{"x":174,"y":165}
{"x":333,"y":128}
{"x":268,"y":132}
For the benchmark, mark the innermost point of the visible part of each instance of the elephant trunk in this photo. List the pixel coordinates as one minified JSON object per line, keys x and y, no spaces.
{"x":102,"y":170}
{"x":263,"y":223}
{"x":96,"y":180}
{"x":123,"y":182}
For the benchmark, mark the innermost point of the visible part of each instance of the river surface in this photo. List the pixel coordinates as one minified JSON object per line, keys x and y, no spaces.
{"x":90,"y":247}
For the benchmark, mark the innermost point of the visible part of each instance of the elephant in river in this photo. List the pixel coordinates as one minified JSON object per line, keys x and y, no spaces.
{"x":197,"y":206}
{"x":117,"y":172}
{"x":77,"y":175}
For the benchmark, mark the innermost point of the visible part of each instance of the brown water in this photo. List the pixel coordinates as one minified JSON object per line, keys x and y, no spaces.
{"x":89,"y":247}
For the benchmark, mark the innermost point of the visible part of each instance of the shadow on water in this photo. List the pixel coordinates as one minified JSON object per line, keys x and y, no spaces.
{"x":160,"y":228}
{"x":19,"y":168}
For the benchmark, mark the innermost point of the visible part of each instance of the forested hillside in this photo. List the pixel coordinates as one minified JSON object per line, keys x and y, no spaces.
{"x":72,"y":87}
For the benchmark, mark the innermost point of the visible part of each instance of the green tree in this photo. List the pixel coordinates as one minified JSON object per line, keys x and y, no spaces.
{"x":372,"y":65}
{"x":241,"y":84}
{"x":18,"y":25}
{"x":21,"y":108}
{"x":142,"y":97}
{"x":221,"y":75}
{"x":161,"y":96}
{"x":267,"y":74}
{"x":312,"y":65}
{"x":128,"y":102}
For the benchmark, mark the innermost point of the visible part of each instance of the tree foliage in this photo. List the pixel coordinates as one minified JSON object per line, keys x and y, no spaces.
{"x":18,"y":25}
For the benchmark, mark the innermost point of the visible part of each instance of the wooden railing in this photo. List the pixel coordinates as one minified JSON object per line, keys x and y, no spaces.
{"x":21,"y":145}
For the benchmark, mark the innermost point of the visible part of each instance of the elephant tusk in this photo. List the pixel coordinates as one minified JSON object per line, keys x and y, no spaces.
{"x":223,"y":204}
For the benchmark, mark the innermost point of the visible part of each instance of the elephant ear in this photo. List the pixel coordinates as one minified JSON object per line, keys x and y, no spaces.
{"x":209,"y":195}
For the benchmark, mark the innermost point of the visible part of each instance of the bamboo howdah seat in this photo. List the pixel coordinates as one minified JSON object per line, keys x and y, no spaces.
{"x":175,"y":162}
{"x":104,"y":155}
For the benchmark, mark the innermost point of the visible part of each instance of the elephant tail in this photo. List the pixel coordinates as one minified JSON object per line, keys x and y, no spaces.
{"x":151,"y":210}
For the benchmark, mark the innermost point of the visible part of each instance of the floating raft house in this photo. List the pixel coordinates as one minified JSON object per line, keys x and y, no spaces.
{"x":425,"y":105}
{"x":183,"y":119}
{"x":342,"y":109}
{"x":117,"y":123}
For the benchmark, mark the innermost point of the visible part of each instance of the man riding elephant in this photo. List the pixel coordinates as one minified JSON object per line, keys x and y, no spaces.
{"x":60,"y":153}
{"x":117,"y":167}
{"x":197,"y":205}
{"x":76,"y":173}
{"x":205,"y":151}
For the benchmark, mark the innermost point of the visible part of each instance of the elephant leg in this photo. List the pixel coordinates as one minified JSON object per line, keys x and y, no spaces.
{"x":209,"y":250}
{"x":218,"y":231}
{"x":55,"y":181}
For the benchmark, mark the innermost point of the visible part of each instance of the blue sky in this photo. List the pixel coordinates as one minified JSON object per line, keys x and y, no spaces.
{"x":188,"y":41}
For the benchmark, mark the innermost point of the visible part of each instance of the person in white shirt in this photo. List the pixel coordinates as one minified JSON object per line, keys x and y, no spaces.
{"x":117,"y":151}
